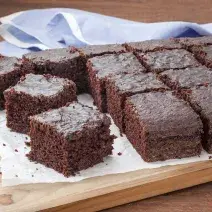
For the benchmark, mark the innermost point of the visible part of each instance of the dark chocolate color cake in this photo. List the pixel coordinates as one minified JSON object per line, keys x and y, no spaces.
{"x":124,"y":85}
{"x":35,"y":94}
{"x":201,"y":100}
{"x":99,"y":50}
{"x":188,"y":43}
{"x":10,"y":72}
{"x":102,"y":67}
{"x":62,"y":63}
{"x":187,"y":78}
{"x":153,"y":45}
{"x":203,"y":54}
{"x":70,"y":139}
{"x":162,"y":127}
{"x":168,"y":59}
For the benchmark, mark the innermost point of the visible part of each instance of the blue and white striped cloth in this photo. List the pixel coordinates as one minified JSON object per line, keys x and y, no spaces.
{"x":56,"y":28}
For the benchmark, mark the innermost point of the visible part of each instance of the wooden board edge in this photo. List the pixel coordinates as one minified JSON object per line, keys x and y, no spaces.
{"x":137,"y":193}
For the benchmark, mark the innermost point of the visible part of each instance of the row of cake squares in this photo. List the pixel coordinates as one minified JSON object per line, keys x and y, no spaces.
{"x":71,"y":62}
{"x":141,"y":105}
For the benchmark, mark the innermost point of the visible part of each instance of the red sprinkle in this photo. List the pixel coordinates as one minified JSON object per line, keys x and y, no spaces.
{"x":119,"y":154}
{"x":16,"y":150}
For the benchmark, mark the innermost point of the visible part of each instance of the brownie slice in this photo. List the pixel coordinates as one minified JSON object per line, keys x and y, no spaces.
{"x":200,"y":99}
{"x":203,"y":54}
{"x":188,"y":43}
{"x":162,"y":127}
{"x":123,"y":85}
{"x":63,"y":63}
{"x":102,"y":67}
{"x":10,"y":72}
{"x":153,"y":45}
{"x":99,"y":50}
{"x":168,"y":59}
{"x":187,"y":78}
{"x":70,"y":139}
{"x":35,"y":94}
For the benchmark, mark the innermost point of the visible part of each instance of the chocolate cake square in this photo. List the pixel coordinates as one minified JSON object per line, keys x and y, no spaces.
{"x":70,"y":139}
{"x":35,"y":94}
{"x":102,"y":67}
{"x":200,"y":99}
{"x":203,"y":54}
{"x":99,"y":50}
{"x":152,"y":45}
{"x":188,"y":43}
{"x":10,"y":72}
{"x":187,"y":78}
{"x":162,"y":127}
{"x":123,"y":85}
{"x":63,"y":63}
{"x":168,"y":59}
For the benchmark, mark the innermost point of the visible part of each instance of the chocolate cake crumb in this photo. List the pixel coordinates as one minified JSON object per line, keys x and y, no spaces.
{"x":34,"y":95}
{"x":210,"y":157}
{"x":16,"y":150}
{"x":4,"y":144}
{"x":16,"y":175}
{"x":119,"y":154}
{"x":103,"y":67}
{"x":162,"y":127}
{"x":70,"y":139}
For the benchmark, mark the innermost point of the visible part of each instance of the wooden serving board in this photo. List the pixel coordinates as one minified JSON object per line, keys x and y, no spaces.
{"x":103,"y":192}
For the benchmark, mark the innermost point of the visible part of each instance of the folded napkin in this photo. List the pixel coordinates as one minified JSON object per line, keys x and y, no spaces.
{"x":56,"y":28}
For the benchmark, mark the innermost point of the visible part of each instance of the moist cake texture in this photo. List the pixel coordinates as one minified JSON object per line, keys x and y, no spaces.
{"x":10,"y":72}
{"x":168,"y":59}
{"x":35,"y":94}
{"x":62,"y":63}
{"x":70,"y":139}
{"x":123,"y":85}
{"x":162,"y":127}
{"x":200,"y":99}
{"x":103,"y":67}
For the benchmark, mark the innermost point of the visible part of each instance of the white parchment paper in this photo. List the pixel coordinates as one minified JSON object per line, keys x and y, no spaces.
{"x":17,"y":169}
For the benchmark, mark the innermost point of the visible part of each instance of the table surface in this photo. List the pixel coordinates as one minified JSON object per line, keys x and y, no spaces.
{"x":196,"y":199}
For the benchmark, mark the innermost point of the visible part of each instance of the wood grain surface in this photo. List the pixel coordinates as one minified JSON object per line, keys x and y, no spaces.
{"x":196,"y":199}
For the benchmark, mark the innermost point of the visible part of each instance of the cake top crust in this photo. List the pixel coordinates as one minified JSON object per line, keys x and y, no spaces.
{"x":190,"y":77}
{"x":8,"y":64}
{"x":163,"y":115}
{"x":72,"y":119}
{"x":169,"y":59}
{"x":37,"y":85}
{"x":114,"y":64}
{"x":51,"y":55}
{"x":198,"y":41}
{"x":154,"y":45}
{"x":137,"y":82}
{"x":94,"y":50}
